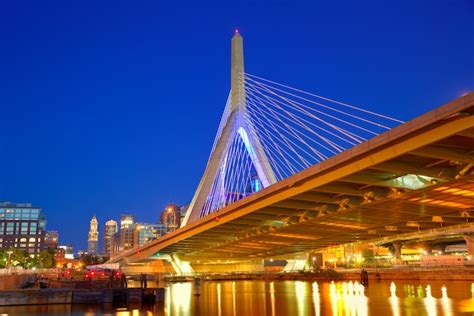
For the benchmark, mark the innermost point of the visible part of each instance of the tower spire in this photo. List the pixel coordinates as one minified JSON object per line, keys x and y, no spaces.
{"x":237,"y":73}
{"x":212,"y":190}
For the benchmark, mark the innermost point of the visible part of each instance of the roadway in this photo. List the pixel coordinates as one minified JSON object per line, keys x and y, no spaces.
{"x":416,"y":177}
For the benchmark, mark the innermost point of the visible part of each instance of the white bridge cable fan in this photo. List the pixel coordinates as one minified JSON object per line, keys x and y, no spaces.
{"x":294,"y":129}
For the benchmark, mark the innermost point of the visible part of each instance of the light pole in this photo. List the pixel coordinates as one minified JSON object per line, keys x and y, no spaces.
{"x":9,"y":263}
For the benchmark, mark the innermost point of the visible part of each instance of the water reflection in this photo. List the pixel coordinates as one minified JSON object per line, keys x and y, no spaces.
{"x":430,"y":302}
{"x":316,"y":299}
{"x":219,"y":306}
{"x":234,"y":311}
{"x":446,"y":302}
{"x":301,"y":293}
{"x":289,"y":298}
{"x":467,"y":305}
{"x":348,"y":298}
{"x":272,"y":297}
{"x":394,"y":300}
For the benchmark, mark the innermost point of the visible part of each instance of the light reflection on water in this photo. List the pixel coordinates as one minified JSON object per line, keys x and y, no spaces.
{"x":289,"y":298}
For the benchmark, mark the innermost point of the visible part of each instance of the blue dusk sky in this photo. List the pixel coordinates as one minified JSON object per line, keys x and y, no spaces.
{"x":111,"y":107}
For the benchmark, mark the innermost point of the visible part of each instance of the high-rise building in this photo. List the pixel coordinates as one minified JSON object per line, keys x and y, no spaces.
{"x":109,"y":231}
{"x":171,"y":217}
{"x":123,"y":239}
{"x":93,"y":240}
{"x":115,"y":245}
{"x":183,"y":209}
{"x":146,"y":232}
{"x":22,"y":226}
{"x":51,"y":239}
{"x":68,"y":251}
{"x":127,"y":223}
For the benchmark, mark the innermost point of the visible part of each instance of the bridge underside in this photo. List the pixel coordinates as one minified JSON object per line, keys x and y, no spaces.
{"x":416,"y":177}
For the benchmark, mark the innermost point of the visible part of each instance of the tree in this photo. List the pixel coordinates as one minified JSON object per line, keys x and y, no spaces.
{"x":46,"y":258}
{"x":368,"y":255}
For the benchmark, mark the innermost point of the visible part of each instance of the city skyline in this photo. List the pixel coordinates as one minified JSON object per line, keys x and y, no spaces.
{"x":111,"y":138}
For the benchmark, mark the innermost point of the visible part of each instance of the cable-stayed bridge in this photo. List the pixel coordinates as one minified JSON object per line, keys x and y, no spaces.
{"x":291,"y":171}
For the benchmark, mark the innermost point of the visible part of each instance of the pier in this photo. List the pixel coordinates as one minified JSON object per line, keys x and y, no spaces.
{"x":81,"y":296}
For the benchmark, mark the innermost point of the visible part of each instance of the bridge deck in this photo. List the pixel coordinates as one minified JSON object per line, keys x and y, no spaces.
{"x":417,"y":176}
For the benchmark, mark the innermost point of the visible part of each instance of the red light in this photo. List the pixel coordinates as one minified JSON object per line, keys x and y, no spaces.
{"x":217,"y":218}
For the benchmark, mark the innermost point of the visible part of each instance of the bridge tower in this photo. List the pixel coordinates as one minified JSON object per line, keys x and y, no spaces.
{"x":233,"y":124}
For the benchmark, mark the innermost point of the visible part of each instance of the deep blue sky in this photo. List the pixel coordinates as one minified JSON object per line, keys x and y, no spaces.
{"x":109,"y":107}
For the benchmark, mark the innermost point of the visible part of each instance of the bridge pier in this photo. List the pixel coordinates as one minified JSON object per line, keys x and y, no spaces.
{"x":181,"y":266}
{"x":469,"y":239}
{"x":397,"y":251}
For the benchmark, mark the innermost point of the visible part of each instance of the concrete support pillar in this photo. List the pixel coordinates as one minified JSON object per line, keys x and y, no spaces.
{"x":294,"y":265}
{"x":397,"y":251}
{"x":469,"y":238}
{"x":180,"y":266}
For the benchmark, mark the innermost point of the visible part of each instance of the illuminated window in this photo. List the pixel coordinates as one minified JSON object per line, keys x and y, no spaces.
{"x":33,"y":228}
{"x":10,"y":228}
{"x":24,"y":228}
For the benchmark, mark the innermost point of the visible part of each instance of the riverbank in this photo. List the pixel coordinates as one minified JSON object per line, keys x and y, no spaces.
{"x":389,"y":274}
{"x":80,"y":296}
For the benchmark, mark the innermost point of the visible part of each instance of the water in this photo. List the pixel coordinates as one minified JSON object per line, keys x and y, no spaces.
{"x":409,"y":298}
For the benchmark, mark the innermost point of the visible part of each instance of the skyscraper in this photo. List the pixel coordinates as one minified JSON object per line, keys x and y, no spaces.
{"x":109,"y":231}
{"x":146,"y":232}
{"x":93,"y":241}
{"x":127,"y":223}
{"x":171,"y":217}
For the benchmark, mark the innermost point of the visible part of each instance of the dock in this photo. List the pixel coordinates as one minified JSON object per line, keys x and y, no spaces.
{"x":81,"y":296}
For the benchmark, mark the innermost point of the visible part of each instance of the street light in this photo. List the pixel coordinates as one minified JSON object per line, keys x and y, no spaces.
{"x":9,"y":252}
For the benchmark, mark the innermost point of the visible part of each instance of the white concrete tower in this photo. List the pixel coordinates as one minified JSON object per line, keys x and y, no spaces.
{"x":233,"y":124}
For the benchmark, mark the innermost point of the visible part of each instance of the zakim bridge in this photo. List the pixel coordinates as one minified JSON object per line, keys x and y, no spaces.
{"x":293,"y":173}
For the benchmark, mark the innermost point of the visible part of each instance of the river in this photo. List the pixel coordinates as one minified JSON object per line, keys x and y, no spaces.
{"x":229,"y":298}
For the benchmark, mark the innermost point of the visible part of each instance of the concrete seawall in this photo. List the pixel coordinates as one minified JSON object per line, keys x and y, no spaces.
{"x":14,"y":281}
{"x":466,"y":274}
{"x":79,"y":296}
{"x":35,"y":297}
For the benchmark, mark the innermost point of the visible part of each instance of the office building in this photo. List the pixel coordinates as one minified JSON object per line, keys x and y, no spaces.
{"x":109,"y":231}
{"x":146,"y":232}
{"x":171,"y":217}
{"x":93,"y":240}
{"x":22,"y":226}
{"x":51,"y":239}
{"x":127,"y":223}
{"x":68,"y":251}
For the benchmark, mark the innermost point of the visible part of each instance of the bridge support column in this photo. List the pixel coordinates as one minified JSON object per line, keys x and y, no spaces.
{"x":469,"y":238}
{"x":397,"y":251}
{"x":180,"y":266}
{"x":295,"y":265}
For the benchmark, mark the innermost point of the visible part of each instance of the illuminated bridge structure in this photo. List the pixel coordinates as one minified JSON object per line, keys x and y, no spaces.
{"x":293,"y":172}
